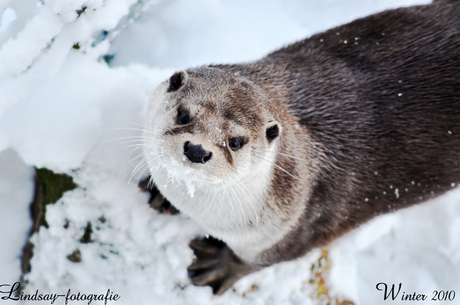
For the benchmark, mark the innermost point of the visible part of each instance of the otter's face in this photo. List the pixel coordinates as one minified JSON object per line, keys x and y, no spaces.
{"x":207,"y":126}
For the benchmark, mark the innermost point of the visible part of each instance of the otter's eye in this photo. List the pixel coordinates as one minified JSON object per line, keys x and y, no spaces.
{"x":183,"y":117}
{"x":235,"y":143}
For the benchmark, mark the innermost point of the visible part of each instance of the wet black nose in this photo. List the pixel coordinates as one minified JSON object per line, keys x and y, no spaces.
{"x":196,"y":153}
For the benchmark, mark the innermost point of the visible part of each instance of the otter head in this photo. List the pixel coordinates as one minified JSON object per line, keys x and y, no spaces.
{"x":207,"y":127}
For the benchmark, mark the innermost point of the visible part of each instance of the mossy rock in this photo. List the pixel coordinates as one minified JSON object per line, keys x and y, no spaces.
{"x":49,"y":188}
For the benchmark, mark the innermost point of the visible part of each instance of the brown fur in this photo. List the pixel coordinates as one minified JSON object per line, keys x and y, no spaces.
{"x":370,"y":113}
{"x":382,"y":112}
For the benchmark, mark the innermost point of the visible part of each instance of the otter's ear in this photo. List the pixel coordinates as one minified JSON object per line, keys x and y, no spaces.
{"x":177,"y":80}
{"x":272,"y":131}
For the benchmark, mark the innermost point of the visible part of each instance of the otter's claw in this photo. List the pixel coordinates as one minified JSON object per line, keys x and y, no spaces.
{"x":156,"y":200}
{"x":215,"y":265}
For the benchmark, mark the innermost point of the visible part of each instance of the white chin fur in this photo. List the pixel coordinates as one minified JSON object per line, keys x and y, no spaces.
{"x":237,"y":212}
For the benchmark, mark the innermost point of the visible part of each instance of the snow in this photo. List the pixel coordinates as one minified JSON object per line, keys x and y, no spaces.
{"x":8,"y":17}
{"x":417,"y":247}
{"x":16,"y":187}
{"x":66,"y":109}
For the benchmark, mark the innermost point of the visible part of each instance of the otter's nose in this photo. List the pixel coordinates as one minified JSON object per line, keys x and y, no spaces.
{"x":196,"y":153}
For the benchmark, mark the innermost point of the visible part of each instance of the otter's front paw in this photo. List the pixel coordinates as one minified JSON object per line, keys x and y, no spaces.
{"x":215,"y":265}
{"x":156,"y":200}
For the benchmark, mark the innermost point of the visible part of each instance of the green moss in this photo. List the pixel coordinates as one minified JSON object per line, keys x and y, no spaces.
{"x":49,"y":188}
{"x":54,"y":185}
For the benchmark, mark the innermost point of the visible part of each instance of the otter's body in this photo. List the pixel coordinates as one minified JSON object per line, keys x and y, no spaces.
{"x":285,"y":154}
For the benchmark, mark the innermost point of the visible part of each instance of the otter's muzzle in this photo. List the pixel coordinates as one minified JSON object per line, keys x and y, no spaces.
{"x":196,"y":153}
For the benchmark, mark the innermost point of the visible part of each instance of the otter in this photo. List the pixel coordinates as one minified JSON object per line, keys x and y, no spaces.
{"x":282,"y":155}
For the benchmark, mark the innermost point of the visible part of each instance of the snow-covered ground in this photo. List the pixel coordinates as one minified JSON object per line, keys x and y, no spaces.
{"x":63,"y":107}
